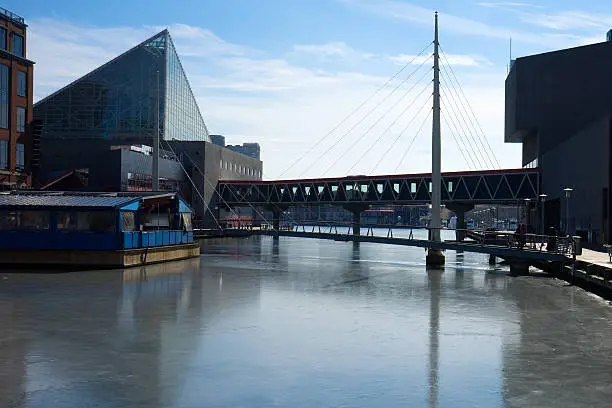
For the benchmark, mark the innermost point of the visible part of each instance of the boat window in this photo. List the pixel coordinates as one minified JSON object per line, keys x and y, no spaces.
{"x":86,"y":221}
{"x":128,"y":221}
{"x":186,"y":224}
{"x":24,"y":220}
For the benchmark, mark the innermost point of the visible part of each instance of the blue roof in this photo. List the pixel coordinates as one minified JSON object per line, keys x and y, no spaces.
{"x":68,"y":199}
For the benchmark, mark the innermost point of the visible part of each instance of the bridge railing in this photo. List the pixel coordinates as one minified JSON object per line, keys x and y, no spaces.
{"x":527,"y":242}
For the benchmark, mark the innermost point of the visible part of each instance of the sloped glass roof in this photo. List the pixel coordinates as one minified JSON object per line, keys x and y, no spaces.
{"x":117,"y":101}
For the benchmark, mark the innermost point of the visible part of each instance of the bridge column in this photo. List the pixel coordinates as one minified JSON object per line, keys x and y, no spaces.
{"x":460,"y":209}
{"x":518,"y":267}
{"x":276,"y":215}
{"x":356,"y":209}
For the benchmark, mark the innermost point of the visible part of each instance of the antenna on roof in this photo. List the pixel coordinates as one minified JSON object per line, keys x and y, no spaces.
{"x":510,"y":62}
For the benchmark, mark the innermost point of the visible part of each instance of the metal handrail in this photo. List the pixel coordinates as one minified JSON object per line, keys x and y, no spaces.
{"x":12,"y":15}
{"x":528,"y":242}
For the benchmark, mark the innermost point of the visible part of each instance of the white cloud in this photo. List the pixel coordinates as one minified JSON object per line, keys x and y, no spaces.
{"x":251,"y":96}
{"x":405,"y":11}
{"x":331,"y":49}
{"x":569,"y":20}
{"x":507,"y":4}
{"x":452,"y":59}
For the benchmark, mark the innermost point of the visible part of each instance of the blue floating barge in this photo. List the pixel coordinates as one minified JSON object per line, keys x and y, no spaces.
{"x":94,"y":230}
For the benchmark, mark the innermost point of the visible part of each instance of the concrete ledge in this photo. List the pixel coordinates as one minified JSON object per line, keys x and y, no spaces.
{"x":99,"y":259}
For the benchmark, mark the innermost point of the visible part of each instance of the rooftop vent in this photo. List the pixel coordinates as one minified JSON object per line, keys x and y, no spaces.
{"x":609,"y":36}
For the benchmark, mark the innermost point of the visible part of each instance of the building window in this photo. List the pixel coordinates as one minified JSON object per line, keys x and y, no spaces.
{"x":20,"y":161}
{"x":3,"y":154}
{"x":2,"y":38}
{"x":4,"y":96}
{"x":532,"y":164}
{"x":221,"y":164}
{"x":22,"y":83}
{"x":17,"y":45}
{"x":21,"y":119}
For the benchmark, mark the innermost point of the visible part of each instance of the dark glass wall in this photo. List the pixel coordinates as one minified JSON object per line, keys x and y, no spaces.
{"x":118,"y":100}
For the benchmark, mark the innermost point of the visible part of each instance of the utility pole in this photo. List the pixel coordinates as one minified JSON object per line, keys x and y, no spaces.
{"x":435,"y":256}
{"x":156,"y":137}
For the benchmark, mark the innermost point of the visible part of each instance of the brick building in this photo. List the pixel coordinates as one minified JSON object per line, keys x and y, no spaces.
{"x":16,"y":95}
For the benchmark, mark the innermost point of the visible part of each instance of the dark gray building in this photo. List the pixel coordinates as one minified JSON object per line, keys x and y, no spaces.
{"x":559,"y":106}
{"x":248,"y":149}
{"x":219,"y":140}
{"x":95,"y":133}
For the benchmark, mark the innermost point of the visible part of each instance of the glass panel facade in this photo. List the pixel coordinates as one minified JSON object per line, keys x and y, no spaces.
{"x":183,"y":118}
{"x":2,"y":38}
{"x":4,"y":96}
{"x":20,"y":162}
{"x":3,"y":154}
{"x":24,"y":220}
{"x":22,"y":83}
{"x":17,"y":45}
{"x":117,"y":101}
{"x":21,"y":119}
{"x":86,"y":221}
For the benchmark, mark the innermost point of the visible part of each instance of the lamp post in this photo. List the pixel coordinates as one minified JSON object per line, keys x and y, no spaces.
{"x":542,"y":199}
{"x":527,"y":216}
{"x":568,"y":195}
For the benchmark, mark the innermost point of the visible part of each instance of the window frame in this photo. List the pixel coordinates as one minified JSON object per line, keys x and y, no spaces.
{"x":4,"y":156}
{"x":22,"y":51}
{"x":20,"y":156}
{"x":3,"y":46}
{"x":22,"y":83}
{"x":21,"y":120}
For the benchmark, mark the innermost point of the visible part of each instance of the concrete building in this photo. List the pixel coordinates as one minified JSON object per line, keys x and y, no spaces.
{"x":16,"y":94}
{"x":97,"y":131}
{"x":219,"y":140}
{"x":248,"y":149}
{"x":558,"y":106}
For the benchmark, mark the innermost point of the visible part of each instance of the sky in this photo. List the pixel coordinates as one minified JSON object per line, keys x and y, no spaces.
{"x":327,"y":87}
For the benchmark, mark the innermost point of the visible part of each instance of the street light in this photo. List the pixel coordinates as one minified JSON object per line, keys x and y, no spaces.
{"x":543,"y":199}
{"x":568,"y":194}
{"x":527,"y":216}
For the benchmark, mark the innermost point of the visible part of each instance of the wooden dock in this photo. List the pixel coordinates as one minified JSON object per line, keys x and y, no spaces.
{"x":126,"y":258}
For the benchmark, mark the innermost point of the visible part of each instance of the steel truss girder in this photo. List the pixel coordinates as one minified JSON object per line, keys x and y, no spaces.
{"x":484,"y":187}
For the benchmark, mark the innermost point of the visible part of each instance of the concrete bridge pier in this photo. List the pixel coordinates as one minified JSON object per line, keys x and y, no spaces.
{"x":518,"y":267}
{"x":276,"y":216}
{"x":460,"y":209}
{"x":356,"y":210}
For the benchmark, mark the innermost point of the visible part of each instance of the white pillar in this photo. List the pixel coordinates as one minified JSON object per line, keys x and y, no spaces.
{"x":435,"y":256}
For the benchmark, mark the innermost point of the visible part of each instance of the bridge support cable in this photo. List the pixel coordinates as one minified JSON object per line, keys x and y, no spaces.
{"x":416,"y":135}
{"x":469,"y":130}
{"x":380,"y":118}
{"x":462,"y":131}
{"x":400,"y":134}
{"x":401,"y":115}
{"x":276,"y":209}
{"x":220,"y":197}
{"x":469,"y":163}
{"x":363,"y":118}
{"x":462,"y":139}
{"x":357,"y":109}
{"x":470,"y":110}
{"x":194,"y":186}
{"x":467,"y":159}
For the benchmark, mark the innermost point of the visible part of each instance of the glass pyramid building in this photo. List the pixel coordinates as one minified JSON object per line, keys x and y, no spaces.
{"x":117,"y":101}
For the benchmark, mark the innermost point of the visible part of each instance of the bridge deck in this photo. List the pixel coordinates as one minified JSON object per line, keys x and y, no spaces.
{"x":501,"y":186}
{"x":505,"y":252}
